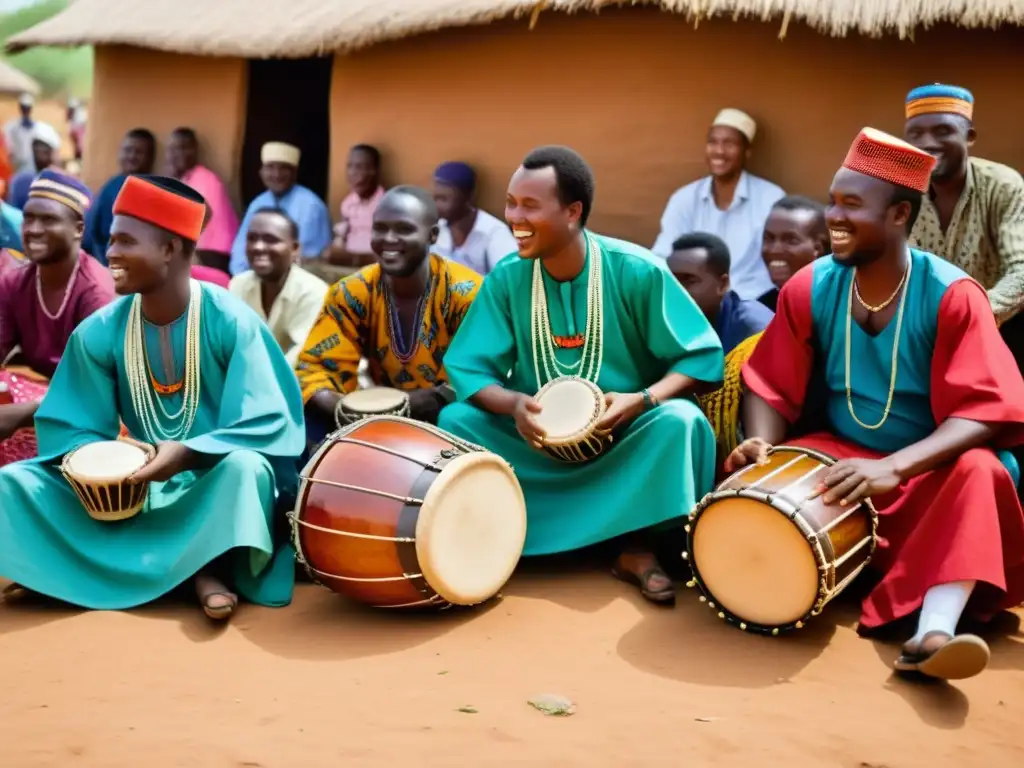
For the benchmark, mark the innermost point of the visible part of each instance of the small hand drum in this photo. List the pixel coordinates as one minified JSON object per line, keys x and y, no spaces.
{"x":375,"y":401}
{"x":572,"y":407}
{"x":98,"y":474}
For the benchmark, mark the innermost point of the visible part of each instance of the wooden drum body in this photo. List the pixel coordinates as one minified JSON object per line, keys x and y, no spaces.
{"x":572,"y":407}
{"x":98,"y":474}
{"x":395,"y":513}
{"x":765,"y":550}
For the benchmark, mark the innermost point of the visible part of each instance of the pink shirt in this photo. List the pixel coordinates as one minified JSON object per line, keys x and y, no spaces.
{"x":210,"y":275}
{"x":359,"y":215}
{"x":220,"y":232}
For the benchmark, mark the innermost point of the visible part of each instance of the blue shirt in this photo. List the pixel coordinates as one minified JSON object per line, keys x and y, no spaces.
{"x":100,"y":217}
{"x":10,"y":227}
{"x":739,"y":319}
{"x":741,"y":226}
{"x":304,"y":207}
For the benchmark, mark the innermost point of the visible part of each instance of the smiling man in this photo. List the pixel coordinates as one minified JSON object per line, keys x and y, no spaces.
{"x":285,"y":296}
{"x":795,"y":234}
{"x":920,"y":396}
{"x":730,"y":203}
{"x":279,"y":171}
{"x":400,"y":314}
{"x":572,"y":302}
{"x":136,"y":155}
{"x":973,"y":214}
{"x":43,"y":302}
{"x":191,"y":370}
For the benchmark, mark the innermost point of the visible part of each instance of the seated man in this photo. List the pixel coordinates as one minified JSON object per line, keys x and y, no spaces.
{"x":646,"y":346}
{"x":795,"y":234}
{"x":42,"y":302}
{"x":400,"y":313}
{"x":284,"y":295}
{"x":920,"y":393}
{"x":700,"y":262}
{"x":226,"y":443}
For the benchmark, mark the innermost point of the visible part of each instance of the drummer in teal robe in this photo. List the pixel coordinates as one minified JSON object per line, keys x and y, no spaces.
{"x":215,"y":483}
{"x":656,"y":349}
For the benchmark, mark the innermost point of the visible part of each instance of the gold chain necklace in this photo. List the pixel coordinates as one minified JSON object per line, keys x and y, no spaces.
{"x":895,"y":347}
{"x":884,"y":304}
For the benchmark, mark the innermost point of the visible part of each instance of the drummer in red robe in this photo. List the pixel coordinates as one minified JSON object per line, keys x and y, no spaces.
{"x":919,"y":397}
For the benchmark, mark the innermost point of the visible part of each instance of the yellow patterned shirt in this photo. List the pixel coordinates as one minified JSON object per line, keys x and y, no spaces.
{"x":356,"y":322}
{"x":985,"y":237}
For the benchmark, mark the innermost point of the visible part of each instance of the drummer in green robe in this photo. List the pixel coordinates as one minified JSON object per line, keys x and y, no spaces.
{"x":656,"y":349}
{"x":190,"y":369}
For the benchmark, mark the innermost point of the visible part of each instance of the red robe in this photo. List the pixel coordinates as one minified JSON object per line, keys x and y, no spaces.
{"x":960,"y":521}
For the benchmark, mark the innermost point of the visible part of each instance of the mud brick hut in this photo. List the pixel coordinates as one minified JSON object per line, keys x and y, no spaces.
{"x":631,"y":85}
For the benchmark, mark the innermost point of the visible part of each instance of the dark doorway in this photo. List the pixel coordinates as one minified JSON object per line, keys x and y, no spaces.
{"x":289,"y":100}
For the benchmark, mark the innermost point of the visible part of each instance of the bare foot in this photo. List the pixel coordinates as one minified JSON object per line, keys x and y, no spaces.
{"x":12,"y":593}
{"x":640,"y":568}
{"x":217,"y":600}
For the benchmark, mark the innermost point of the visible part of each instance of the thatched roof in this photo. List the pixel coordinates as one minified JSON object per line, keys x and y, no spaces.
{"x":299,"y":28}
{"x":14,"y":81}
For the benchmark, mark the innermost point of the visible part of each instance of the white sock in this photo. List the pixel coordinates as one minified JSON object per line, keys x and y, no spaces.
{"x":942,"y":607}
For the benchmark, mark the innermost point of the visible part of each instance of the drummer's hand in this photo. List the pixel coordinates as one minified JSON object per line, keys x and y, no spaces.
{"x":622,"y":408}
{"x":10,"y":420}
{"x":850,"y":480}
{"x":526,"y":424}
{"x":171,"y":459}
{"x":753,"y":449}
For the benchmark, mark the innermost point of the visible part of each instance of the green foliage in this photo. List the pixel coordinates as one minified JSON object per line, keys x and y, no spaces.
{"x":59,"y":71}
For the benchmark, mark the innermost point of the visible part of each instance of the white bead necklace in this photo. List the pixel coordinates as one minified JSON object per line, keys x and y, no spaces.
{"x":67,"y":291}
{"x":592,"y":355}
{"x":154,"y":416}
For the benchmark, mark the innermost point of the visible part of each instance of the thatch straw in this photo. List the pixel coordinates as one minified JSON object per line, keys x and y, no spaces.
{"x":14,"y":81}
{"x":299,"y":28}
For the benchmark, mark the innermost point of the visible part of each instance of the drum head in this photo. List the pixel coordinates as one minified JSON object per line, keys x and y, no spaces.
{"x":471,"y":529}
{"x":756,"y":562}
{"x":374,"y":400}
{"x":569,"y":408}
{"x":106,"y":461}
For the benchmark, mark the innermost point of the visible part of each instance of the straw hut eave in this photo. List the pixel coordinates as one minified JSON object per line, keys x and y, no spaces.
{"x":302,"y":28}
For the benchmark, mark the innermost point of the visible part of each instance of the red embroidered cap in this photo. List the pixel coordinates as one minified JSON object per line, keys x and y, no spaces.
{"x":878,"y":154}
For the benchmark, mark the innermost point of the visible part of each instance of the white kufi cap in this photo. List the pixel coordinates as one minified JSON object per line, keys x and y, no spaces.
{"x":741,"y":121}
{"x":279,"y":152}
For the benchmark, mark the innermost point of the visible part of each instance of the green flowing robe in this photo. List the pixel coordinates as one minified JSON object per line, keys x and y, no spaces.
{"x":663,"y":462}
{"x":249,"y":415}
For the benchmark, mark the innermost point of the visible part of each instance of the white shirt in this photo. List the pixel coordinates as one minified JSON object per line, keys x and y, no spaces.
{"x":19,"y":143}
{"x":489,"y":242}
{"x":295,"y":310}
{"x":741,"y":226}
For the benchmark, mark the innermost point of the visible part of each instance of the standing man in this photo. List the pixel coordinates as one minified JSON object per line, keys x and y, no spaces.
{"x":400,"y":314}
{"x":700,"y":262}
{"x":973,"y":214}
{"x":279,"y":173}
{"x":920,"y":396}
{"x":43,"y":302}
{"x":136,"y":156}
{"x":574,"y":301}
{"x":467,"y":234}
{"x":284,"y":295}
{"x":225,"y":449}
{"x":351,"y":244}
{"x":730,"y":203}
{"x":45,"y":153}
{"x":214,"y":247}
{"x":18,"y":133}
{"x":795,"y":234}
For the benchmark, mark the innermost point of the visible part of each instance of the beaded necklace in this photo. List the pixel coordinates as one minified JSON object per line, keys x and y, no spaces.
{"x":67,"y":291}
{"x":589,"y":365}
{"x":905,"y":282}
{"x":157,"y":423}
{"x":404,"y":349}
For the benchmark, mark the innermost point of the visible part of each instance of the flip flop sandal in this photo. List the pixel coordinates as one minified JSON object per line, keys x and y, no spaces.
{"x":220,"y":612}
{"x":13,"y":593}
{"x":665,"y":596}
{"x":961,"y":657}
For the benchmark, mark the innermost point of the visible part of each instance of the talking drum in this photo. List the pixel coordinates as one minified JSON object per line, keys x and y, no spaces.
{"x":767,"y":552}
{"x":98,"y":474}
{"x":375,"y":401}
{"x":396,"y":513}
{"x":571,"y":409}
